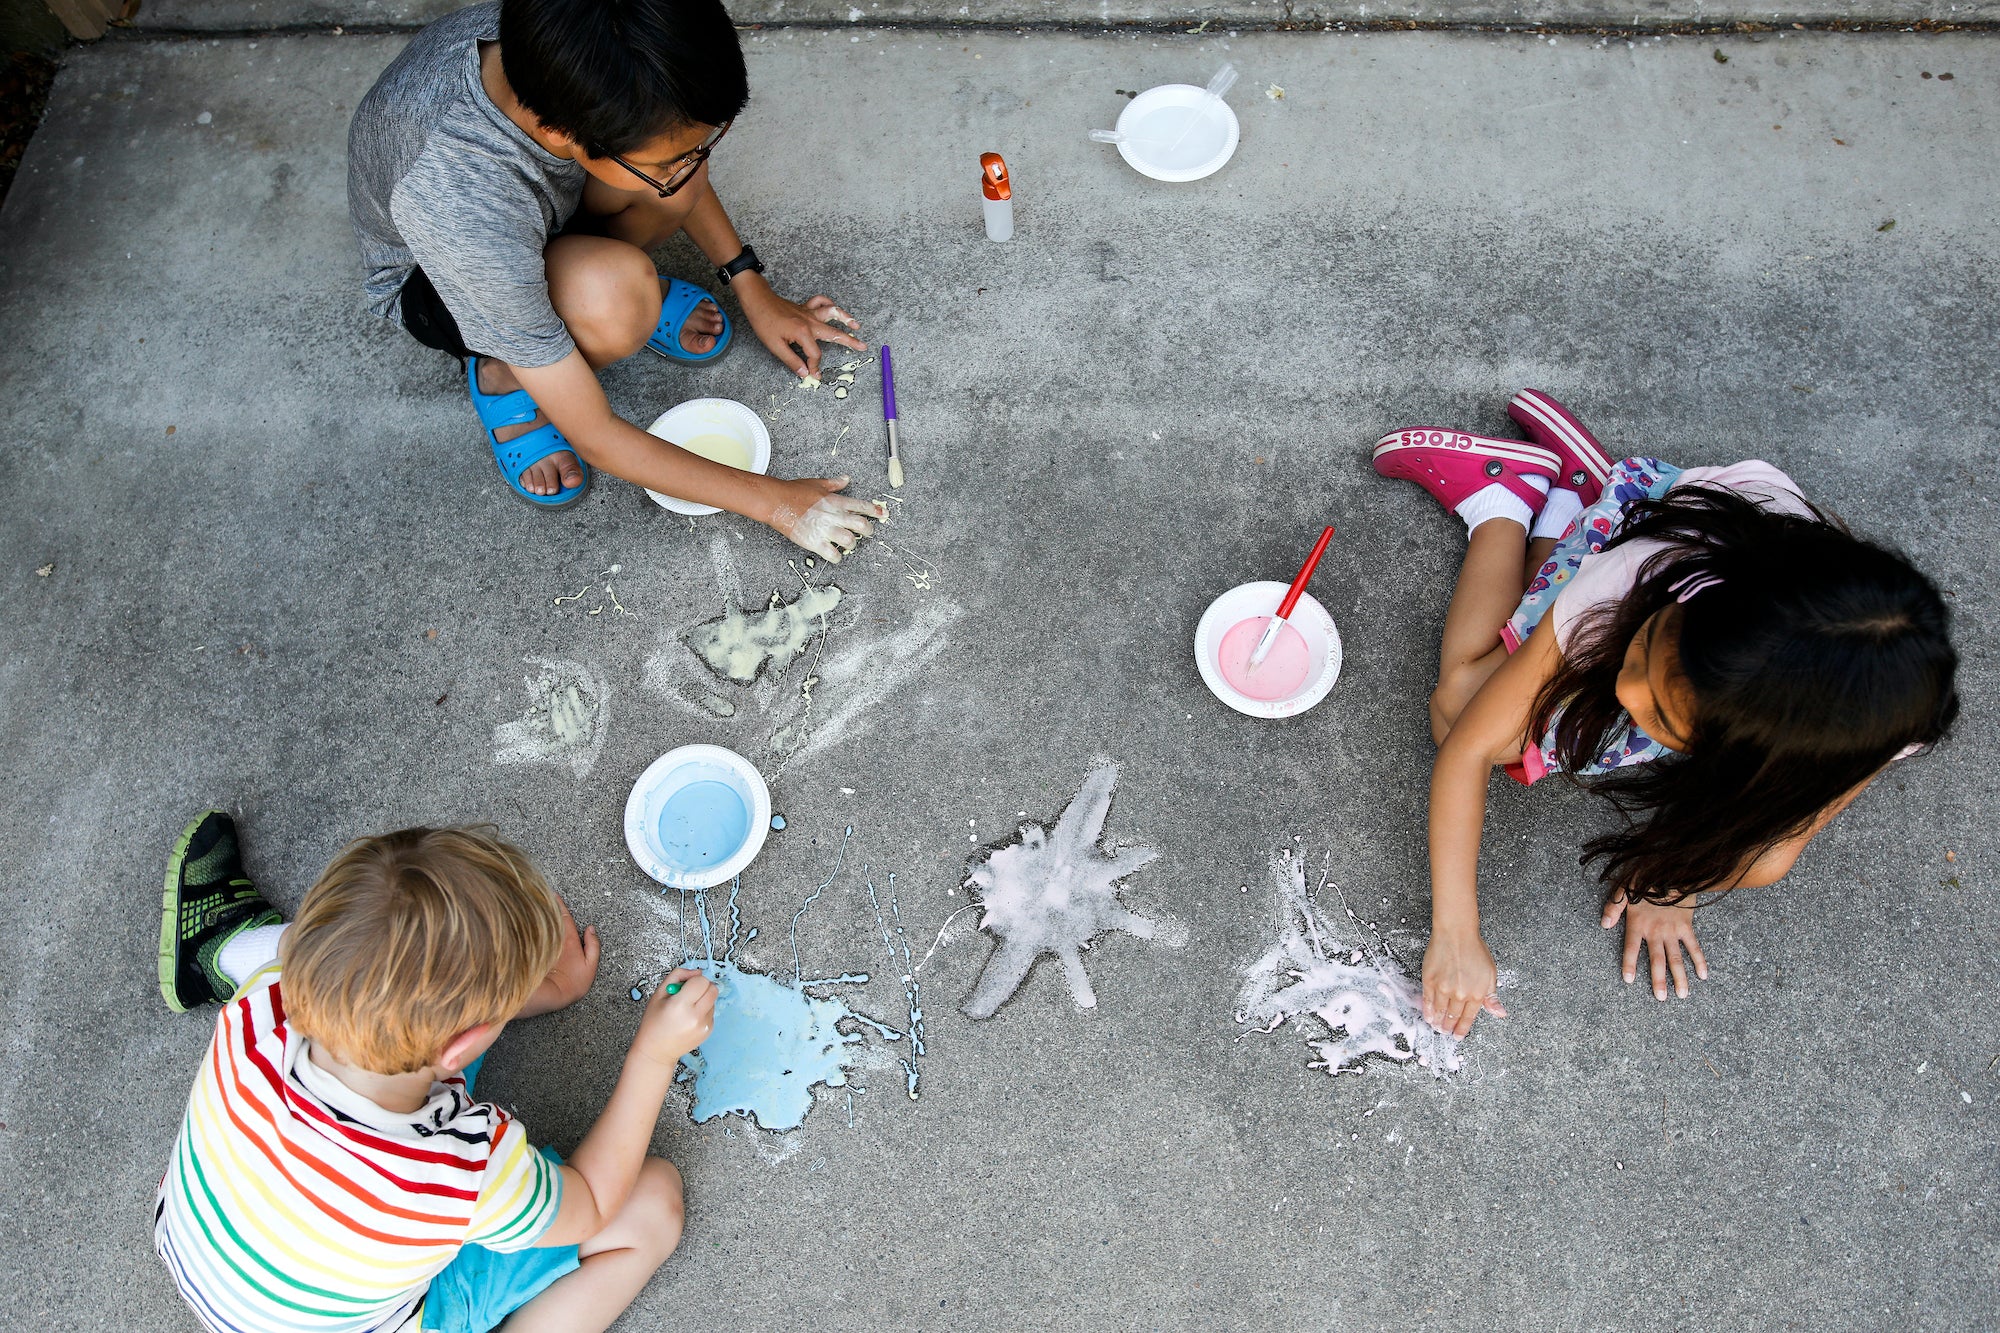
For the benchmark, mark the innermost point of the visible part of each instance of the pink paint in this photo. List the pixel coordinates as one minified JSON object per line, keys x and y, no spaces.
{"x":1278,"y":676}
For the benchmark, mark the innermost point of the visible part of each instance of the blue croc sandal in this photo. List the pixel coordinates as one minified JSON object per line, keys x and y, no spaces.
{"x":680,"y":301}
{"x":500,"y":410}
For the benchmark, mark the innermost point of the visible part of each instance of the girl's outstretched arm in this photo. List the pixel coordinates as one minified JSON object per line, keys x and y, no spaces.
{"x":1459,"y":974}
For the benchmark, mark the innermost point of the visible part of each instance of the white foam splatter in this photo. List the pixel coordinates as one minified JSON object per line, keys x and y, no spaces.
{"x":565,"y":720}
{"x":1055,"y":894}
{"x":863,"y":672}
{"x":1371,"y":1007}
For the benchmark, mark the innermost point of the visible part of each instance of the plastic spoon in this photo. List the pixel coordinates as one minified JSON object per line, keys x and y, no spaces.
{"x":1224,"y":80}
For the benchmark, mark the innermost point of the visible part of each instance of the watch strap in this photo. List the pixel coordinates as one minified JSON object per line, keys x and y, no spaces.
{"x":747,"y":262}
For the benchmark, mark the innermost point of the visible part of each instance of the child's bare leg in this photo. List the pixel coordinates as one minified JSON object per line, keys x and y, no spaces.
{"x":1538,"y":555}
{"x":1490,"y":583}
{"x":608,"y":294}
{"x":617,"y":1262}
{"x":642,"y":218}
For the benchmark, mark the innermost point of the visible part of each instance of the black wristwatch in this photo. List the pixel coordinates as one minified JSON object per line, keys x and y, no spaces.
{"x":747,"y":262}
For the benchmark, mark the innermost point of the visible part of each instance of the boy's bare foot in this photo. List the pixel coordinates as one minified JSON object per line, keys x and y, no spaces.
{"x":548,"y":476}
{"x":702,"y":327}
{"x":558,"y":472}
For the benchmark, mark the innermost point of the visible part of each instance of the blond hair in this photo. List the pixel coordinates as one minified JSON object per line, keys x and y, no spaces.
{"x":411,"y":938}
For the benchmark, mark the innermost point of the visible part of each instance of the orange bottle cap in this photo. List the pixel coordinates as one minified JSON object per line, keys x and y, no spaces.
{"x":993,"y":177}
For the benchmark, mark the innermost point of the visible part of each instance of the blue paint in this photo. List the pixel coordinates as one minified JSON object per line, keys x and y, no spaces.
{"x":770,"y":1045}
{"x":771,"y":1042}
{"x":798,"y":974}
{"x":844,"y":979}
{"x":897,"y":942}
{"x":778,"y":823}
{"x":702,"y":825}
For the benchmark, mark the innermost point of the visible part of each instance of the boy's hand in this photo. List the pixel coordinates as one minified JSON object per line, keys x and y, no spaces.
{"x":789,"y":329}
{"x":570,"y":979}
{"x":1665,"y":931}
{"x":1459,"y":980}
{"x":576,"y":966}
{"x":673,"y":1025}
{"x":812,"y":513}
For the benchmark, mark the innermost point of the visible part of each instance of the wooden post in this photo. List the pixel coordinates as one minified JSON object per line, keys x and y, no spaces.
{"x":86,"y":20}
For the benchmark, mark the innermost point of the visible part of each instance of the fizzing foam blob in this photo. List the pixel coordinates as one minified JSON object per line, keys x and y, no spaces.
{"x":1055,"y":894}
{"x":738,"y":646}
{"x":1370,"y":1006}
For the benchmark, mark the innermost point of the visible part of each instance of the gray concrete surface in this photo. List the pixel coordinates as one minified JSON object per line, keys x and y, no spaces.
{"x":285,"y":578}
{"x":239,"y":15}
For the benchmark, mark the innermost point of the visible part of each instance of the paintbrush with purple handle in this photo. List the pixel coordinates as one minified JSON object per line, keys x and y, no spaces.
{"x":889,"y":418}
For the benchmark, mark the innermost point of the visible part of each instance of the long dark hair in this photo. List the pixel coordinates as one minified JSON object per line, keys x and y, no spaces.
{"x":1813,"y":658}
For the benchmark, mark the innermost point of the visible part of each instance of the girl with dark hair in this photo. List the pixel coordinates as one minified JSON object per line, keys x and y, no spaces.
{"x":1727,"y":664}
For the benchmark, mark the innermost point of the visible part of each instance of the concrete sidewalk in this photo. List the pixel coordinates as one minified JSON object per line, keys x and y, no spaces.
{"x":254,"y":553}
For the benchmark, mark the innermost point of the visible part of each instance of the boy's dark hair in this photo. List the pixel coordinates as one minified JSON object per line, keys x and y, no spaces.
{"x":1813,"y":657}
{"x":614,"y":74}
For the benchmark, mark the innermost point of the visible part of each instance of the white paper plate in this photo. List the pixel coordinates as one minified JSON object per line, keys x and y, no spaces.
{"x":681,"y":768}
{"x":711,"y":416}
{"x":1309,"y":618}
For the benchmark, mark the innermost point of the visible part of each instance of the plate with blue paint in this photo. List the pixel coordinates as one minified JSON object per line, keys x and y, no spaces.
{"x":697,"y":816}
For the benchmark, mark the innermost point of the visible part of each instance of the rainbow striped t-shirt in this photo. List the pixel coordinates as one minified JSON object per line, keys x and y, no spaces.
{"x":293,"y":1204}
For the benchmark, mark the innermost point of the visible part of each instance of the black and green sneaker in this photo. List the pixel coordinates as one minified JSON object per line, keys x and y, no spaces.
{"x":208,"y":901}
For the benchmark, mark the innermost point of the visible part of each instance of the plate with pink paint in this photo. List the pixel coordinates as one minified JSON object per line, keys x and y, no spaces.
{"x":1301,"y":668}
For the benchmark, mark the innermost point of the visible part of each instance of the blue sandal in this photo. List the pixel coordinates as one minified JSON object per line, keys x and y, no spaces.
{"x":499,"y":410}
{"x":681,"y":300}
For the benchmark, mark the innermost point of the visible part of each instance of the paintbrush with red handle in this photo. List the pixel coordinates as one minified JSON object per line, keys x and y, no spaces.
{"x":1292,"y":595}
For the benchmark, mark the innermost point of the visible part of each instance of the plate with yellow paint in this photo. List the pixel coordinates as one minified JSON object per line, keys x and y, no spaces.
{"x":720,"y":429}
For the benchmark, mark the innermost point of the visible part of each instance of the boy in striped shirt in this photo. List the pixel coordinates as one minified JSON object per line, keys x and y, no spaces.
{"x":334,"y":1173}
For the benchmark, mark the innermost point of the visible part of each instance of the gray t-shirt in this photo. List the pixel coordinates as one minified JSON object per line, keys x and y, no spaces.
{"x":438,"y":177}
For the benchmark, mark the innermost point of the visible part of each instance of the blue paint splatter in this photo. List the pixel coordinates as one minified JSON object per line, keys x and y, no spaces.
{"x":798,"y":973}
{"x":770,"y":1045}
{"x":772,"y":1042}
{"x":898,"y":944}
{"x":778,"y":823}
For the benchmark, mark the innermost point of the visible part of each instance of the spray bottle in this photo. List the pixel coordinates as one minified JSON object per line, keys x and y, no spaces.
{"x":999,"y":197}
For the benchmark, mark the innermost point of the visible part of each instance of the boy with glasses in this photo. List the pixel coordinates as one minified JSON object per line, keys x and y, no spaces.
{"x":507,"y":176}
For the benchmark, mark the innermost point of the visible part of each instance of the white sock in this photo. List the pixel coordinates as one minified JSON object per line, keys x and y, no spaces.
{"x":249,"y":950}
{"x":1558,"y":512}
{"x":1494,"y":501}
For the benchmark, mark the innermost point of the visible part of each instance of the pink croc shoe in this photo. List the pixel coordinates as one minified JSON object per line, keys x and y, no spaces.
{"x":1586,"y":464}
{"x":1453,"y":465}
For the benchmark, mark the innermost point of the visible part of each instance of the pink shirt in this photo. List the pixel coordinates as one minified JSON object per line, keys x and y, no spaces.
{"x":1610,"y":576}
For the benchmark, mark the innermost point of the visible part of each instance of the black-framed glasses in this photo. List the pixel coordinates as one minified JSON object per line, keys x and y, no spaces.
{"x":685,"y":166}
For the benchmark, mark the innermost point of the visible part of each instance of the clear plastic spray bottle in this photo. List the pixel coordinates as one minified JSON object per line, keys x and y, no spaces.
{"x":998,"y":194}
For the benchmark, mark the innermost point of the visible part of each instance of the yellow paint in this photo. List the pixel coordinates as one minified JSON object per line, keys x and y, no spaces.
{"x":724,"y":449}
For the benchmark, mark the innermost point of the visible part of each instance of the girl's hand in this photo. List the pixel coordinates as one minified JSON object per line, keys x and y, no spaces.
{"x":788,"y":328}
{"x":675,"y":1024}
{"x":813,"y":514}
{"x":1665,"y":931}
{"x":1459,"y":981}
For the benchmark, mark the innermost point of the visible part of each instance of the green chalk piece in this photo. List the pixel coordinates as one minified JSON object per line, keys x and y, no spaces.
{"x":673,"y":988}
